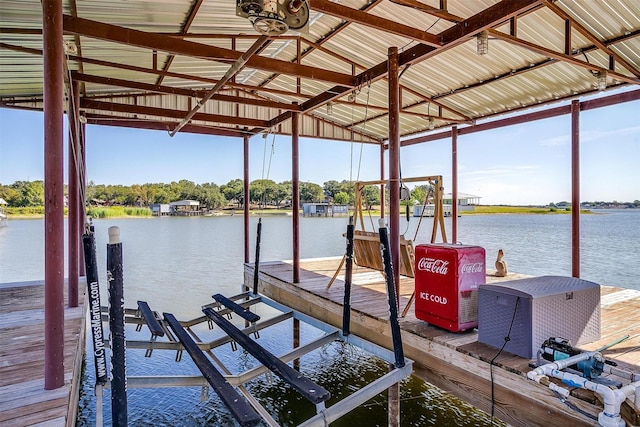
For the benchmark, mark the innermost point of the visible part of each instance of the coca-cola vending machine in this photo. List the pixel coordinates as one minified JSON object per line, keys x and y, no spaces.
{"x":447,"y":277}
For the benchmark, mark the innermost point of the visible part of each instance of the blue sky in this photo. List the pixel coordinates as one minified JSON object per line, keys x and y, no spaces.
{"x":524,"y":164}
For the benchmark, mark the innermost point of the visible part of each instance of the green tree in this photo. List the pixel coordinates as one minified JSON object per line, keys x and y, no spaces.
{"x":210,"y":196}
{"x":371,"y":196}
{"x":261,"y":191}
{"x":30,"y":193}
{"x":282,"y":192}
{"x":310,"y":192}
{"x":9,"y":194}
{"x":341,"y":198}
{"x":234,"y":191}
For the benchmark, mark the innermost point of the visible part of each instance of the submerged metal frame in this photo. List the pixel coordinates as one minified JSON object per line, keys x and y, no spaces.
{"x":324,"y":415}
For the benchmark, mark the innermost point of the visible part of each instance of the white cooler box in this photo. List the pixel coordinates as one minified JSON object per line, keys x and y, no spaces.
{"x":547,"y":306}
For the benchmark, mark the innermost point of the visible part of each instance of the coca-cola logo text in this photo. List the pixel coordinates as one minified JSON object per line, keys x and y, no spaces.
{"x":433,"y":265}
{"x":472,"y":267}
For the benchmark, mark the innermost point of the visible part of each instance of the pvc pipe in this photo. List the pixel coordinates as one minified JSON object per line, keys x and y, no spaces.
{"x":610,"y":416}
{"x":632,"y":389}
{"x":621,"y":373}
{"x":545,"y":369}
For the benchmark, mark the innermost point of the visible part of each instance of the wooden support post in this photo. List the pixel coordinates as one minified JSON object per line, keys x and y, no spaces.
{"x":119,"y":411}
{"x":454,"y":184}
{"x":575,"y":188}
{"x":73,"y":240}
{"x":246,"y":197}
{"x":82,"y":184}
{"x":393,"y":403}
{"x":53,"y":194}
{"x":296,"y":342}
{"x":295,"y":201}
{"x":394,"y":164}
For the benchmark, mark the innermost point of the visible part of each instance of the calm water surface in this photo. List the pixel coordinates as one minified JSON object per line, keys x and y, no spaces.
{"x":176,"y":264}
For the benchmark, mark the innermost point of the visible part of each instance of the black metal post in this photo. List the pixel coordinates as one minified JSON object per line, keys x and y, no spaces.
{"x":391,"y":295}
{"x":116,"y":325}
{"x":91,"y":265}
{"x":256,"y":269}
{"x":348,"y":275}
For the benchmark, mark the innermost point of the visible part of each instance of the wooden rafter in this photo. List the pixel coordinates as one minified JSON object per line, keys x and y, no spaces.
{"x":106,"y":120}
{"x":128,"y":36}
{"x":373,"y":21}
{"x":191,"y":77}
{"x":181,"y":91}
{"x":434,"y":11}
{"x":195,"y":6}
{"x":493,"y":15}
{"x":88,"y":104}
{"x":561,"y":56}
{"x":592,"y":38}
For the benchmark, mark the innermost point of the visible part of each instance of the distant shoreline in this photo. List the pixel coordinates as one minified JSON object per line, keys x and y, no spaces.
{"x":133,"y":212}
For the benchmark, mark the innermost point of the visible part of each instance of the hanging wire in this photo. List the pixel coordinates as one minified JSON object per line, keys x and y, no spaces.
{"x":364,"y":127}
{"x":268,"y":164}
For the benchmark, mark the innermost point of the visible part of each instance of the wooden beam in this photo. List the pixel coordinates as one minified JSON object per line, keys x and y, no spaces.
{"x":128,"y":36}
{"x":109,"y":64}
{"x":593,"y":39}
{"x":117,"y":121}
{"x":434,"y":11}
{"x":231,"y":72}
{"x":562,"y":57}
{"x":89,"y":78}
{"x":195,"y":6}
{"x":450,"y":38}
{"x":373,"y":21}
{"x":165,"y":112}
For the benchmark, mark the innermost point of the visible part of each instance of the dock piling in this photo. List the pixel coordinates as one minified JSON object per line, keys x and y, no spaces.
{"x":116,"y":325}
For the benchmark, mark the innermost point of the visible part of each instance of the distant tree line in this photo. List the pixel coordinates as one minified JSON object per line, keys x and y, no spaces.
{"x":262,"y":192}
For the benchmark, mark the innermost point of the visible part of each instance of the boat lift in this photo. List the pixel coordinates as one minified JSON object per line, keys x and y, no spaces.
{"x":167,"y":333}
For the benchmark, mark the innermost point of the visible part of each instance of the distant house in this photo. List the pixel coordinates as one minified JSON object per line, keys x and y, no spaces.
{"x":160,"y":209}
{"x":185,"y":208}
{"x":324,"y":209}
{"x":466,"y":202}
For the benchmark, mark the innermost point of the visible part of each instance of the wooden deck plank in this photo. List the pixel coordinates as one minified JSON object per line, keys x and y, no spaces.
{"x":456,"y":362}
{"x":23,"y":400}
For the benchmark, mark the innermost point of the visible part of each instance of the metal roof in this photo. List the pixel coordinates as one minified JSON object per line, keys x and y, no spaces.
{"x":146,"y":63}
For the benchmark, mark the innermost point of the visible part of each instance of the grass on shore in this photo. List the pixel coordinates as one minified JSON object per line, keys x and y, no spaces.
{"x":128,"y":211}
{"x":518,"y":210}
{"x":117,"y":211}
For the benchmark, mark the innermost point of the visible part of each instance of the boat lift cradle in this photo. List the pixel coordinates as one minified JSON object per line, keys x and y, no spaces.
{"x":249,"y":412}
{"x":176,"y":341}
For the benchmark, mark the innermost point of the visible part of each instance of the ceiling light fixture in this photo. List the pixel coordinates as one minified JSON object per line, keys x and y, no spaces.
{"x":483,"y":42}
{"x":432,"y":123}
{"x":602,"y":80}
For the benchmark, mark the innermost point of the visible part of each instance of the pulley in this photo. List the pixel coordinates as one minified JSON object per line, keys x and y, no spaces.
{"x":274,"y":17}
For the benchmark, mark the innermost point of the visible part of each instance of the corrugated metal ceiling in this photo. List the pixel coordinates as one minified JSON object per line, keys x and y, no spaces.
{"x":453,"y":86}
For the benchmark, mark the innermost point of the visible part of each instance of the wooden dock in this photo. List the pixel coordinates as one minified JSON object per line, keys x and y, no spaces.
{"x":456,"y":362}
{"x":23,"y":400}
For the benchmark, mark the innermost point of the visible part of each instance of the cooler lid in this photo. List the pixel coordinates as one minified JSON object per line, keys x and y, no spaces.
{"x":542,"y":286}
{"x":447,"y":246}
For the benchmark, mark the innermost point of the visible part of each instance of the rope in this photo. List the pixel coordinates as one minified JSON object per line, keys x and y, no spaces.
{"x":424,"y":206}
{"x":364,"y":126}
{"x":264,"y":160}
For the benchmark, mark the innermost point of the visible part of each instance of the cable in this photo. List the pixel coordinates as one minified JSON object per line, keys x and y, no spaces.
{"x":574,"y":407}
{"x":506,"y":340}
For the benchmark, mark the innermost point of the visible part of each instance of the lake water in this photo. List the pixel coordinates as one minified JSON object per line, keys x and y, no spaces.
{"x":176,"y":264}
